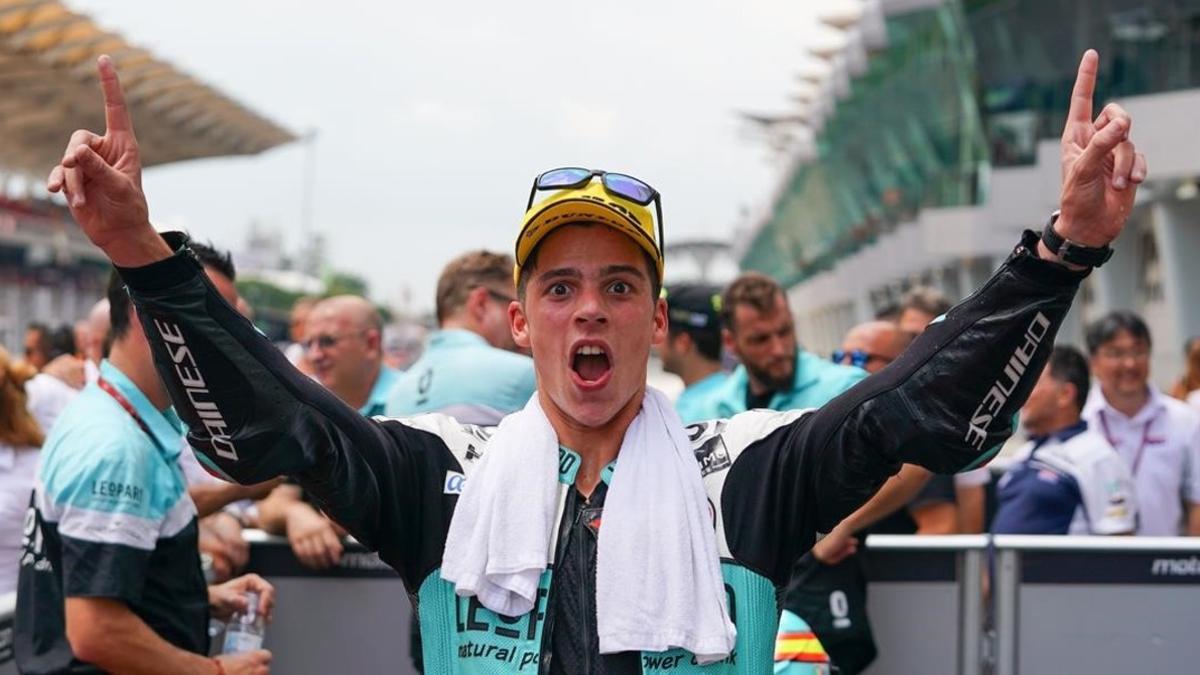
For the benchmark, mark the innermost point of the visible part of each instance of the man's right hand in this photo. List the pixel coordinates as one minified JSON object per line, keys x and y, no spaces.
{"x":835,"y":547}
{"x":102,"y":179}
{"x":313,"y":538}
{"x":257,"y":662}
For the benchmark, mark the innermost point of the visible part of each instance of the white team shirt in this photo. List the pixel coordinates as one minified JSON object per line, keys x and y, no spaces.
{"x":1106,"y":492}
{"x":1161,"y":446}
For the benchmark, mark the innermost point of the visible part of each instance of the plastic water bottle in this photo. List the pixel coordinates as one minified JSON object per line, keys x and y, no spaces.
{"x":244,"y":632}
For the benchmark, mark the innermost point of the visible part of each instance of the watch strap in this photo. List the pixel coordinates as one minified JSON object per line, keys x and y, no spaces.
{"x":1071,"y":252}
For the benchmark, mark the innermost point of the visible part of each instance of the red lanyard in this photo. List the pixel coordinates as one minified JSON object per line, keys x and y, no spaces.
{"x":124,"y":403}
{"x":1137,"y":458}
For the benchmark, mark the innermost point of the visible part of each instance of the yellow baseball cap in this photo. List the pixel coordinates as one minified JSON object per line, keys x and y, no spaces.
{"x":589,"y":203}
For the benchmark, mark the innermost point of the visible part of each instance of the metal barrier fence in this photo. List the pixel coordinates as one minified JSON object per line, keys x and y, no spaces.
{"x":1058,"y":605}
{"x":925,"y":602}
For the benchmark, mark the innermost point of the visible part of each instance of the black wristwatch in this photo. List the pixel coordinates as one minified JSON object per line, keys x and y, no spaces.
{"x":1069,"y":251}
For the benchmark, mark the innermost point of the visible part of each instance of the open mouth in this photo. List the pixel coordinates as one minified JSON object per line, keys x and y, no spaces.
{"x":591,"y":364}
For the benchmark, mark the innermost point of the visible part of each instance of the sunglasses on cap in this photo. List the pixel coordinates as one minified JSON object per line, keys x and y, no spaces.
{"x":616,"y":184}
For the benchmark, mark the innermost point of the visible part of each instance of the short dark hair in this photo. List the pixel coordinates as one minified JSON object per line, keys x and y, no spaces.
{"x":118,"y":296}
{"x":694,"y":309}
{"x":750,"y":288}
{"x":211,"y":256}
{"x":707,"y":342}
{"x":1104,"y":329}
{"x":1068,"y":365}
{"x":43,"y":334}
{"x":531,"y":262}
{"x":925,"y":299}
{"x":62,"y":341}
{"x":118,"y":307}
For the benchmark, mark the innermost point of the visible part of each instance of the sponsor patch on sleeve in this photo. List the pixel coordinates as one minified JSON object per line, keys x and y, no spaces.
{"x":454,"y":483}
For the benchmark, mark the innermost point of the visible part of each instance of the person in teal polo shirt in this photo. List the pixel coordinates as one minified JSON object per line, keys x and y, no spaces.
{"x":110,"y":577}
{"x":470,"y":369}
{"x":775,"y":373}
{"x":692,"y":349}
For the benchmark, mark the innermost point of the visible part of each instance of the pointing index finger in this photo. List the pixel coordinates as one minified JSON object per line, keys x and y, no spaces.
{"x":1085,"y":89}
{"x":116,"y":115}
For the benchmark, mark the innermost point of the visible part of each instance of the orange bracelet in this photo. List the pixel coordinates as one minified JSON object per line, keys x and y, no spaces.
{"x":220,"y":667}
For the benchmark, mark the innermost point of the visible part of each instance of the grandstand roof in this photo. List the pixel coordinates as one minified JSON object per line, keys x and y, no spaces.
{"x":47,"y":74}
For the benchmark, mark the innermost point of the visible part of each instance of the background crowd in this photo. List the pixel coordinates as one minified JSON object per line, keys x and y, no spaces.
{"x":1102,"y":452}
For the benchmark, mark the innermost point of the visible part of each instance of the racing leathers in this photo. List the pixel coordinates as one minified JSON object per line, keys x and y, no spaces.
{"x":774,"y":479}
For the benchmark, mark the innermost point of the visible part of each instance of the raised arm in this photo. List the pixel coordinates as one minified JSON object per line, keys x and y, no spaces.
{"x":947,"y":403}
{"x":252,"y":416}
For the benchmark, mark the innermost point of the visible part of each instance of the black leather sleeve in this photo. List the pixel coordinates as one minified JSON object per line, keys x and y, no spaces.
{"x":253,"y":416}
{"x":946,"y":404}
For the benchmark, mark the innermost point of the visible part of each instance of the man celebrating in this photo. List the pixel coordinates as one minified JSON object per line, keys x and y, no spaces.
{"x":506,"y":554}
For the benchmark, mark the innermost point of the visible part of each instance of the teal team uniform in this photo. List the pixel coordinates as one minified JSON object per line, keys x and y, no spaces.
{"x":378,"y":398}
{"x":111,"y":519}
{"x":815,"y":382}
{"x":696,"y":400}
{"x":461,"y":375}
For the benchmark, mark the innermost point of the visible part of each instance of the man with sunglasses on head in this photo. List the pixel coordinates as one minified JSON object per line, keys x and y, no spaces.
{"x":498,"y":533}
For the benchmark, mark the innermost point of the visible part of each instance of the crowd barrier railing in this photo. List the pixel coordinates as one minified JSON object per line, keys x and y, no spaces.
{"x":924,"y":602}
{"x":1096,"y":604}
{"x":1057,"y":605}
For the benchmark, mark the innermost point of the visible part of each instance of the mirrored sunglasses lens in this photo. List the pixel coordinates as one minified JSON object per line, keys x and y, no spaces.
{"x":560,"y":178}
{"x":629,"y":187}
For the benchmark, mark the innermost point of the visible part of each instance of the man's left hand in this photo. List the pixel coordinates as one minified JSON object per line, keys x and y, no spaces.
{"x":1101,"y":167}
{"x":229,"y":597}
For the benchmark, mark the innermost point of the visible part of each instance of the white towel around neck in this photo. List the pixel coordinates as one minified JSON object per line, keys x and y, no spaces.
{"x":658,"y":578}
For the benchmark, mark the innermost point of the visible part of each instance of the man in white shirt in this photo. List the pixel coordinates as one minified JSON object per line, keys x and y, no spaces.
{"x":1157,"y":436}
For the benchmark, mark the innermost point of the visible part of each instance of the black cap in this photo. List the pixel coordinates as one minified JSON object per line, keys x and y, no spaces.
{"x":694,"y":307}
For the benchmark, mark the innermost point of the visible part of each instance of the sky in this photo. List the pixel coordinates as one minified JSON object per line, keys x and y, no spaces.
{"x":433,"y":118}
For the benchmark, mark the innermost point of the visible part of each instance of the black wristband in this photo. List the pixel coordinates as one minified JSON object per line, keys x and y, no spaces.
{"x":1069,"y":251}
